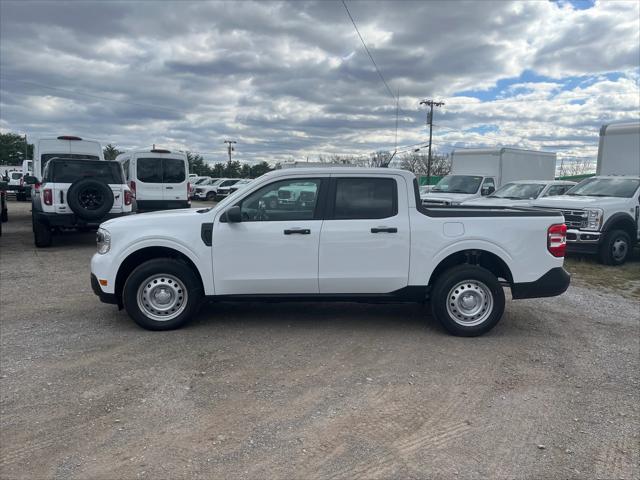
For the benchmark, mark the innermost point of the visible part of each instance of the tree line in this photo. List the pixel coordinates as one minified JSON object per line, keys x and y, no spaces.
{"x":12,"y":152}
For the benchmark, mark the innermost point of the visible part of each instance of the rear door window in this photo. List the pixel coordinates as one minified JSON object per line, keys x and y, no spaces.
{"x":365,"y":198}
{"x":149,"y":170}
{"x":61,"y":171}
{"x":174,"y":170}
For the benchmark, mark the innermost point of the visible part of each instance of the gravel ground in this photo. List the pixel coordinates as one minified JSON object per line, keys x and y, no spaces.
{"x":306,"y":390}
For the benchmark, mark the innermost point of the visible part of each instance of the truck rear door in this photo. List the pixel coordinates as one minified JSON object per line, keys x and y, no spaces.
{"x":149,"y":172}
{"x":365,"y":238}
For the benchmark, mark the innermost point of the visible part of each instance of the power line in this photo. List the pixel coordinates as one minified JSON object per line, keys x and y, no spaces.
{"x":367,"y":50}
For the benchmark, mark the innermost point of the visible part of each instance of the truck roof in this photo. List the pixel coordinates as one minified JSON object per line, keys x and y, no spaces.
{"x":286,"y":172}
{"x":620,"y":128}
{"x":498,"y":150}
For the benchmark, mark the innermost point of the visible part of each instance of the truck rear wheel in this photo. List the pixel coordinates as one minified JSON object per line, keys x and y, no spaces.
{"x":162,"y":294}
{"x":467,"y":300}
{"x":615,"y":248}
{"x":42,"y":236}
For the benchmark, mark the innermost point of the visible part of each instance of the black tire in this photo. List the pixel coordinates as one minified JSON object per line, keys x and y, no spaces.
{"x":211,"y":196}
{"x":481,"y":284}
{"x":157,"y":268}
{"x":42,"y":236}
{"x":90,"y":199}
{"x":20,"y":197}
{"x":615,"y":248}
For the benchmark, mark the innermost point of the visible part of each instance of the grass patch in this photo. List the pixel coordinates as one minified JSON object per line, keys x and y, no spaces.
{"x":624,"y":279}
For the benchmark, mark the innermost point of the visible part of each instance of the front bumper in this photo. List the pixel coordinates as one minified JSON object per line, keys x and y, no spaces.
{"x":554,"y":282}
{"x":104,"y":297}
{"x":579,"y":241}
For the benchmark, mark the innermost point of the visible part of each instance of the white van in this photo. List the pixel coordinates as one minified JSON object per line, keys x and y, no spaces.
{"x":158,"y":178}
{"x":65,"y":146}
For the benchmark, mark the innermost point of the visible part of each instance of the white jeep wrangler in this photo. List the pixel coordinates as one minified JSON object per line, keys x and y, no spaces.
{"x":77,"y":193}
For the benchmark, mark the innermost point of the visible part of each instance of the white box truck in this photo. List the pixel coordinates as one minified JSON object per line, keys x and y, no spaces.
{"x":602,"y":213}
{"x":480,"y":171}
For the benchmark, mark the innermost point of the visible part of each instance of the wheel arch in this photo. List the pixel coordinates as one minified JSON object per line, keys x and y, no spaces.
{"x":473,"y":256}
{"x":621,"y":221}
{"x":144,"y":254}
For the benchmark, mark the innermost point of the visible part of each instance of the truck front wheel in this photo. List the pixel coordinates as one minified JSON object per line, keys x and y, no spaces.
{"x":615,"y":248}
{"x":162,"y":294}
{"x":467,"y":300}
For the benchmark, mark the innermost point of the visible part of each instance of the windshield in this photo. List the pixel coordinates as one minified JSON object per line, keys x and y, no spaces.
{"x":458,"y":184}
{"x":16,"y":176}
{"x":519,"y":191}
{"x":606,"y":187}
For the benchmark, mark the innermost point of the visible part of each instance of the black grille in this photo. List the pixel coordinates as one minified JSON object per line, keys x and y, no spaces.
{"x":575,"y":218}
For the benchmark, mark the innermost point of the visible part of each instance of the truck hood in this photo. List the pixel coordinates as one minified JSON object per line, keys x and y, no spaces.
{"x":499,"y":202}
{"x":177,"y":217}
{"x":447,"y":197}
{"x":578,"y":202}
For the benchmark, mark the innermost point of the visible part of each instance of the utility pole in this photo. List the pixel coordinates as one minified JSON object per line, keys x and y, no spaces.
{"x":430,"y":104}
{"x":230,"y":147}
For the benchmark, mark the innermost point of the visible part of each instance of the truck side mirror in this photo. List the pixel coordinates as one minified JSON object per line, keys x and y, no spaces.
{"x":487,"y":191}
{"x":30,"y":180}
{"x":234,"y":215}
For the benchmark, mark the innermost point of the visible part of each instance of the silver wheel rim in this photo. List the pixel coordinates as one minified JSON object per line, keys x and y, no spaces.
{"x":162,"y":297}
{"x":619,"y":249}
{"x":469,"y":303}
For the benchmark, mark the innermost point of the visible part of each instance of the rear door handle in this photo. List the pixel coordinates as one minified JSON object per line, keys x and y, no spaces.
{"x":297,"y":231}
{"x":384,"y":230}
{"x":169,"y":188}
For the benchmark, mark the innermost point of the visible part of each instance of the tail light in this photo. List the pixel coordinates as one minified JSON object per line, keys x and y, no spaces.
{"x":36,"y":186}
{"x":128,"y":197}
{"x":188,"y":188}
{"x":557,"y":239}
{"x":132,"y":187}
{"x":47,"y":196}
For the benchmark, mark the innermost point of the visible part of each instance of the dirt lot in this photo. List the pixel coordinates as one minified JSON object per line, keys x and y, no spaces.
{"x":311,"y":390}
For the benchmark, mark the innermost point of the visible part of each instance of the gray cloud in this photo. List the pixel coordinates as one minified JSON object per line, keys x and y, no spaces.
{"x":291,"y":79}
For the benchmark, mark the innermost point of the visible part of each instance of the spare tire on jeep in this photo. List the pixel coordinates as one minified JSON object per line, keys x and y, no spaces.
{"x":90,"y":199}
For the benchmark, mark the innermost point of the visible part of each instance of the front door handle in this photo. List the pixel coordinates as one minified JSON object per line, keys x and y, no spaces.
{"x":297,"y":231}
{"x":384,"y":230}
{"x":169,"y":188}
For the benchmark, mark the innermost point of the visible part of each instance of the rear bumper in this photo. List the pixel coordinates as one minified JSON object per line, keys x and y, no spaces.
{"x":73,"y":221}
{"x":162,"y":204}
{"x":104,"y":297}
{"x":554,"y":282}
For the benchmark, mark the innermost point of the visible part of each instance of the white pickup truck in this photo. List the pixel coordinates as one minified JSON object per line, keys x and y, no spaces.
{"x":355,"y":235}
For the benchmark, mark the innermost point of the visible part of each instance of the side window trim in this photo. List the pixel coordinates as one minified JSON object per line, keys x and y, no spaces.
{"x":332,"y":191}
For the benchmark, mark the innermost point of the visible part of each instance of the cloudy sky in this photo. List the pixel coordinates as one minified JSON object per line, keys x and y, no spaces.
{"x":292,"y":80}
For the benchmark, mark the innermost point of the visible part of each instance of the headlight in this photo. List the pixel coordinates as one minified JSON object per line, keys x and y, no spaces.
{"x":103,"y":239}
{"x":594,"y":219}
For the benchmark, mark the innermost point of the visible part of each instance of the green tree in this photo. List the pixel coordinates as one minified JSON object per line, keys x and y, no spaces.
{"x":110,"y":152}
{"x":232,"y":169}
{"x":260,"y":169}
{"x":218,"y":170}
{"x":245,"y":170}
{"x":12,"y":149}
{"x":197,"y":164}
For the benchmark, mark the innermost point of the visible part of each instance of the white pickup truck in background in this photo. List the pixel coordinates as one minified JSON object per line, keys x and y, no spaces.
{"x":479,"y":172}
{"x":602,"y":213}
{"x":351,"y":234}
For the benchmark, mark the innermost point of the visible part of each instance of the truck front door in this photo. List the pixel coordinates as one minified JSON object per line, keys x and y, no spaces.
{"x":274,"y":249}
{"x":365,"y":239}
